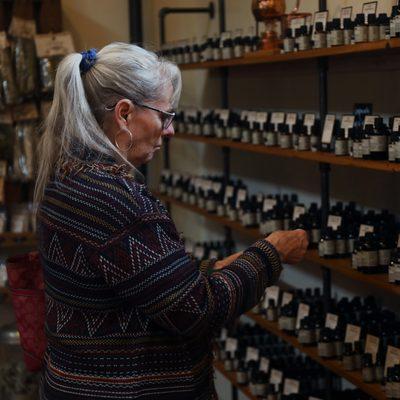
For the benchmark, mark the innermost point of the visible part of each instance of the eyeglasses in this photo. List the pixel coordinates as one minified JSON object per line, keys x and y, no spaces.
{"x":166,"y":116}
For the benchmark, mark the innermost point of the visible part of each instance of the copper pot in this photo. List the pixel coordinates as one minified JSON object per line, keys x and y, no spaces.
{"x":265,"y":10}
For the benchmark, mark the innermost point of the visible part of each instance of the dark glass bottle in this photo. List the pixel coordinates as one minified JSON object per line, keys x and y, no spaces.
{"x":348,"y":31}
{"x":373,"y":28}
{"x":288,"y":42}
{"x":379,"y":141}
{"x":341,"y":143}
{"x":337,"y":33}
{"x":360,"y":29}
{"x":348,"y":357}
{"x":320,"y":41}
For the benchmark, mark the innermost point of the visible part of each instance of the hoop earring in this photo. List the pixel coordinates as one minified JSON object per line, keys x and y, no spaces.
{"x":131,"y":140}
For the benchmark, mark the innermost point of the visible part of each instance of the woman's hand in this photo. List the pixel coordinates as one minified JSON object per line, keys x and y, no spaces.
{"x":227,"y":261}
{"x":291,"y":245}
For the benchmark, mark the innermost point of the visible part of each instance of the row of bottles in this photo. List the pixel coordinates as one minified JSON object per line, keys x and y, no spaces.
{"x":371,"y":139}
{"x":210,"y":250}
{"x":223,"y":46}
{"x":369,"y":238}
{"x":272,"y":369}
{"x":358,"y":332}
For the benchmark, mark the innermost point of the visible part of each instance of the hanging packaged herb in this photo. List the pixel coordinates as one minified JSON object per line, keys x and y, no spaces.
{"x":9,"y":93}
{"x":25,"y":141}
{"x":23,"y":30}
{"x":51,"y":44}
{"x":6,"y":138}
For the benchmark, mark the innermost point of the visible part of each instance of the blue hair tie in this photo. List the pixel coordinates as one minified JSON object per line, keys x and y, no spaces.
{"x":88,"y":60}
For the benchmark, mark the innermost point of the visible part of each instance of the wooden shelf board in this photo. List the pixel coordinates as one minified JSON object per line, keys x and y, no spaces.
{"x":260,"y":58}
{"x":232,"y":378}
{"x":355,"y":377}
{"x":341,"y":266}
{"x":318,"y":156}
{"x":11,"y":240}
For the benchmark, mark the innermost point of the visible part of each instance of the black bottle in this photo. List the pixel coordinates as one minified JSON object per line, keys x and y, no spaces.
{"x":341,"y":143}
{"x":360,"y":29}
{"x":384,"y":26}
{"x":320,"y":41}
{"x":373,"y":28}
{"x":325,"y":344}
{"x":379,"y":141}
{"x":288,"y":42}
{"x":348,"y":357}
{"x":348,"y":31}
{"x":337,"y":33}
{"x":327,"y":244}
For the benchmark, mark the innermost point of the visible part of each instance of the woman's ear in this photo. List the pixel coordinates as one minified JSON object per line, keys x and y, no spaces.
{"x":122,"y":111}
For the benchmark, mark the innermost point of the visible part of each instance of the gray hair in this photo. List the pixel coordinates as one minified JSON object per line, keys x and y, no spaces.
{"x":77,"y":113}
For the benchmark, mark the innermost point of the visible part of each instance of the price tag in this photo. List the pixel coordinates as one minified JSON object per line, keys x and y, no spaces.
{"x":264,"y":365}
{"x":224,"y":36}
{"x":252,"y":354}
{"x":224,"y":334}
{"x":296,"y":23}
{"x":328,"y":128}
{"x":353,"y":333}
{"x":276,"y":377}
{"x":369,"y":8}
{"x":372,"y":346}
{"x":242,"y":194}
{"x":347,"y":121}
{"x":396,"y":124}
{"x":25,"y":112}
{"x":320,"y":16}
{"x":271,"y":293}
{"x":269,"y":204}
{"x":6,"y":118}
{"x":252,"y":117}
{"x":56,"y":44}
{"x":199,"y":252}
{"x":291,"y":119}
{"x":345,"y":13}
{"x":224,"y":116}
{"x":260,"y":197}
{"x":228,"y":193}
{"x":364,"y":229}
{"x":392,"y":357}
{"x":261,"y":117}
{"x":331,"y":321}
{"x":217,"y":186}
{"x":286,"y":298}
{"x":22,"y":28}
{"x":303,"y":311}
{"x":3,"y":40}
{"x":278,"y":118}
{"x":231,"y":344}
{"x":18,"y":224}
{"x":291,"y":386}
{"x":298,"y":211}
{"x":334,"y":222}
{"x":370,"y":120}
{"x":309,"y":120}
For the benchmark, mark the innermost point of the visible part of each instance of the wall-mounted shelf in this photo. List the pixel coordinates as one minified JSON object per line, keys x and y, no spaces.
{"x":232,"y":378}
{"x":355,"y":377}
{"x":262,"y":58}
{"x":12,"y":240}
{"x":318,"y":156}
{"x":341,"y":266}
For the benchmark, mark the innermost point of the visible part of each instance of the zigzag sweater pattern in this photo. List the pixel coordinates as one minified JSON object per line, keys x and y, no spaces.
{"x":129,"y":314}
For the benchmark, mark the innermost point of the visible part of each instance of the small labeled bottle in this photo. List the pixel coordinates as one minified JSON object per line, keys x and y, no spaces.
{"x":320,"y":36}
{"x":285,"y":137}
{"x":384,"y":26}
{"x":306,"y":335}
{"x":365,"y":141}
{"x":395,"y":22}
{"x":219,"y":129}
{"x":227,"y":49}
{"x":256,"y":134}
{"x":228,"y":363}
{"x":242,"y":374}
{"x":187,"y":54}
{"x":385,"y":250}
{"x":238,"y":47}
{"x":327,"y":244}
{"x":360,"y":29}
{"x":304,"y":140}
{"x":338,"y":342}
{"x":195,"y":53}
{"x":303,"y":38}
{"x":357,"y":356}
{"x":368,"y":370}
{"x":288,"y":42}
{"x":348,"y":357}
{"x":341,"y":244}
{"x":369,"y":258}
{"x":245,"y":134}
{"x":341,"y":143}
{"x":315,"y":137}
{"x":271,"y":136}
{"x":247,"y":43}
{"x":348,"y":31}
{"x":357,"y":149}
{"x":394,"y":268}
{"x":373,"y":28}
{"x":325,"y":344}
{"x":393,"y":140}
{"x":379,"y":141}
{"x":272,"y":311}
{"x":207,"y":49}
{"x":337,"y":33}
{"x":216,"y":49}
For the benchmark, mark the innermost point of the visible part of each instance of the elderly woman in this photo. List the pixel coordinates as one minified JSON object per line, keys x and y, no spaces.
{"x":129,"y":314}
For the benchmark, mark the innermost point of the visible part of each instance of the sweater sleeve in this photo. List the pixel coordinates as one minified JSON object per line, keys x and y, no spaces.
{"x":148,"y":267}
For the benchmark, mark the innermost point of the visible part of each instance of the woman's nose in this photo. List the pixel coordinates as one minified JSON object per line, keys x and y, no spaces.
{"x":169,"y":132}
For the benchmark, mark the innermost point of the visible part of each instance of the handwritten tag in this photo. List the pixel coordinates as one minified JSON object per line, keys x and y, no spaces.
{"x":328,"y":129}
{"x":370,"y":120}
{"x":353,"y":333}
{"x":269,"y":204}
{"x":347,"y":121}
{"x":286,"y":298}
{"x":320,"y":16}
{"x":309,"y":120}
{"x":276,"y":377}
{"x":231,"y":344}
{"x":291,"y":119}
{"x":369,"y":8}
{"x":278,"y":118}
{"x":261,"y":117}
{"x":303,"y":311}
{"x":291,"y":386}
{"x":298,"y":211}
{"x":331,"y":321}
{"x":364,"y":229}
{"x":242,"y":194}
{"x":252,"y":354}
{"x":372,"y":346}
{"x":264,"y":364}
{"x":271,"y":293}
{"x":396,"y":124}
{"x":57,"y":44}
{"x":334,"y":222}
{"x":345,"y":13}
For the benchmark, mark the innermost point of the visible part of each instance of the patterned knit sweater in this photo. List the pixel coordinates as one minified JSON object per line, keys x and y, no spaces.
{"x":129,"y":314}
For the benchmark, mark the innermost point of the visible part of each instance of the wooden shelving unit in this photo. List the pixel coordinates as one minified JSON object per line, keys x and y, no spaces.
{"x":318,"y":156}
{"x":12,"y":240}
{"x":265,"y":58}
{"x":375,"y":390}
{"x":232,"y":378}
{"x":341,"y":266}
